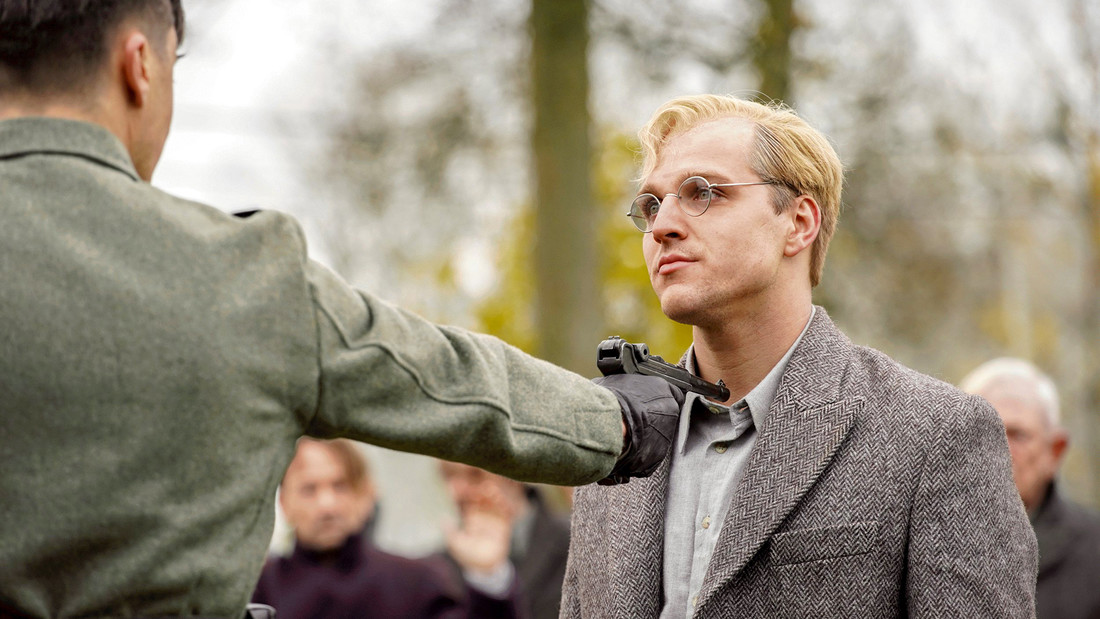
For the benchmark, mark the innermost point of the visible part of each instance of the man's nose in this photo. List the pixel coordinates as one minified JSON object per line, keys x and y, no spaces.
{"x":326,"y":499}
{"x":669,"y":220}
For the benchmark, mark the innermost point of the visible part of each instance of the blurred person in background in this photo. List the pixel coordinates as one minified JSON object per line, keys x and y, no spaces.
{"x":161,"y":358}
{"x":334,"y":572}
{"x":833,"y":482}
{"x":1069,"y":535}
{"x":538,"y":541}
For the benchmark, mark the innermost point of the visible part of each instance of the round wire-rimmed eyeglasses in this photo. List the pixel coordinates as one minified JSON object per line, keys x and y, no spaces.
{"x":693,"y":196}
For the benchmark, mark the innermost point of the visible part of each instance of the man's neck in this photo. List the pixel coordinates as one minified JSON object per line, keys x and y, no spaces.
{"x":21,"y":106}
{"x":743,"y":350}
{"x":66,"y":108}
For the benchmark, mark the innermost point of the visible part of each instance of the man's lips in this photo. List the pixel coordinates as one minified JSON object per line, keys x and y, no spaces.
{"x":672,"y":263}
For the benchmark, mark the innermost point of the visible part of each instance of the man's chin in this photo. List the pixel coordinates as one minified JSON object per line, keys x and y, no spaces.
{"x":680,"y":309}
{"x":325,"y":541}
{"x":325,"y":545}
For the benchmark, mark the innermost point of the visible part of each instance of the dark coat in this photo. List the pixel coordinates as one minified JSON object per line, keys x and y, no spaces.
{"x":359,"y":581}
{"x":873,"y":491}
{"x":1069,"y":560}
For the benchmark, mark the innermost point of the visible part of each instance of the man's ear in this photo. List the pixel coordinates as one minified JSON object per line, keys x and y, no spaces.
{"x":805,"y":217}
{"x":136,"y":59}
{"x":1058,"y":444}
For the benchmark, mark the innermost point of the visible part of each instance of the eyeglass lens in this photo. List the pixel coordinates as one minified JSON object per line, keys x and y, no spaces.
{"x":694,"y":195}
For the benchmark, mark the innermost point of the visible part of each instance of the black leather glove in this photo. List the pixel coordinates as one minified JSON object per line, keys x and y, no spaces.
{"x":651,"y":411}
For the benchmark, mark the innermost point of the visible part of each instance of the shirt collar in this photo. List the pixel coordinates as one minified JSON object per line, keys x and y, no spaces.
{"x":758,"y":400}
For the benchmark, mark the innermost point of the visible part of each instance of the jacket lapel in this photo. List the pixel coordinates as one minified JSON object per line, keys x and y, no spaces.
{"x":807,"y":422}
{"x":636,"y":582}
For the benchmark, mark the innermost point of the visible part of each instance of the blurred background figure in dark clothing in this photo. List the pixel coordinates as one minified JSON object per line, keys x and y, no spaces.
{"x":334,"y":572}
{"x":1069,"y":535}
{"x":539,"y":540}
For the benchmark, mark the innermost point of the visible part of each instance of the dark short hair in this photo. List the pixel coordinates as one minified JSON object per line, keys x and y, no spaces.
{"x":53,"y":46}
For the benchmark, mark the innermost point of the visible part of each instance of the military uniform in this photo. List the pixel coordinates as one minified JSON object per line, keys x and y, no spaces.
{"x":160,"y":358}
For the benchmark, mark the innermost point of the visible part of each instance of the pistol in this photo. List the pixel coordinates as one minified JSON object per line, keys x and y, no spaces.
{"x":617,"y":356}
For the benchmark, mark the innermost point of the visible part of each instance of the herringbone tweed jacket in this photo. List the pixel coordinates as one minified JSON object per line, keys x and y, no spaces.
{"x":872,"y":491}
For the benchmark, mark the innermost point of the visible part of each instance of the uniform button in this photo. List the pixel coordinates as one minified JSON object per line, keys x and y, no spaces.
{"x":706,"y":522}
{"x":695,"y":601}
{"x":721,"y":448}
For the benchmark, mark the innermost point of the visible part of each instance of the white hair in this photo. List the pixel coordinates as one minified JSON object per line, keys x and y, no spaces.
{"x":1021,"y":375}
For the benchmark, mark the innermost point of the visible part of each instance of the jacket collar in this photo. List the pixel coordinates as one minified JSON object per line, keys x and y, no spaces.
{"x":31,"y":135}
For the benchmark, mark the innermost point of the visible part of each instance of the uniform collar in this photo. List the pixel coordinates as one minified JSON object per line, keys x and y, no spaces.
{"x":30,"y":135}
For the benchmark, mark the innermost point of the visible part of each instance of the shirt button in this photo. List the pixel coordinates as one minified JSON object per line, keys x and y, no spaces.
{"x":706,"y":522}
{"x":721,"y":448}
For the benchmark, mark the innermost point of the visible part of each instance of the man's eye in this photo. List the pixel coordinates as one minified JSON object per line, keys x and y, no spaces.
{"x":697,"y":193}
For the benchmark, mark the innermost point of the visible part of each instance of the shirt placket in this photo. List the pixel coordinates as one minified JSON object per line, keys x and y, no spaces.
{"x":718,"y":432}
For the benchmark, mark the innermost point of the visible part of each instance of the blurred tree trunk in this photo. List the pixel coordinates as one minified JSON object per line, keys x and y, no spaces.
{"x":1090,"y":48}
{"x":1091,"y":327}
{"x":771,"y":49}
{"x":566,"y":270}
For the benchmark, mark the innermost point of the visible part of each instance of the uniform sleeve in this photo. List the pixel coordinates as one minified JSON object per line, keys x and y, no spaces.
{"x":972,"y":552}
{"x":390,"y":378}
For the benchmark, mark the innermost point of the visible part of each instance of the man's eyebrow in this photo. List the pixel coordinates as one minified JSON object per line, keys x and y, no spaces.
{"x":711,"y":176}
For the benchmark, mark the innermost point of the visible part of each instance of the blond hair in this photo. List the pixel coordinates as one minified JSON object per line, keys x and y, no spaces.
{"x":786,"y":151}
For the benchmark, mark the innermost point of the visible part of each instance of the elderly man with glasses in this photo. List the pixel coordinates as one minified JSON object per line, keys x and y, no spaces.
{"x":833,"y":482}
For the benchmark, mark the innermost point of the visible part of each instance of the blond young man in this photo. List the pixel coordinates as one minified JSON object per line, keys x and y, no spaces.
{"x":834,"y":482}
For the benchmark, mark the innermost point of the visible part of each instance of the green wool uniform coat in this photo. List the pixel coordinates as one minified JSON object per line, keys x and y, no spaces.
{"x":159,"y":358}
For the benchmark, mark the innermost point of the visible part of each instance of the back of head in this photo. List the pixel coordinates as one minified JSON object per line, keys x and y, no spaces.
{"x":786,"y":151}
{"x":55,"y":47}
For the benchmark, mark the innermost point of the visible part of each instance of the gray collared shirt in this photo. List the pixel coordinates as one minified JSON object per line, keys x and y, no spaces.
{"x":712,"y":447}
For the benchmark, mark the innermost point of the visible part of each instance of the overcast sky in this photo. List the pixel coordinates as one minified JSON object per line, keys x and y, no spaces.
{"x":259,"y":78}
